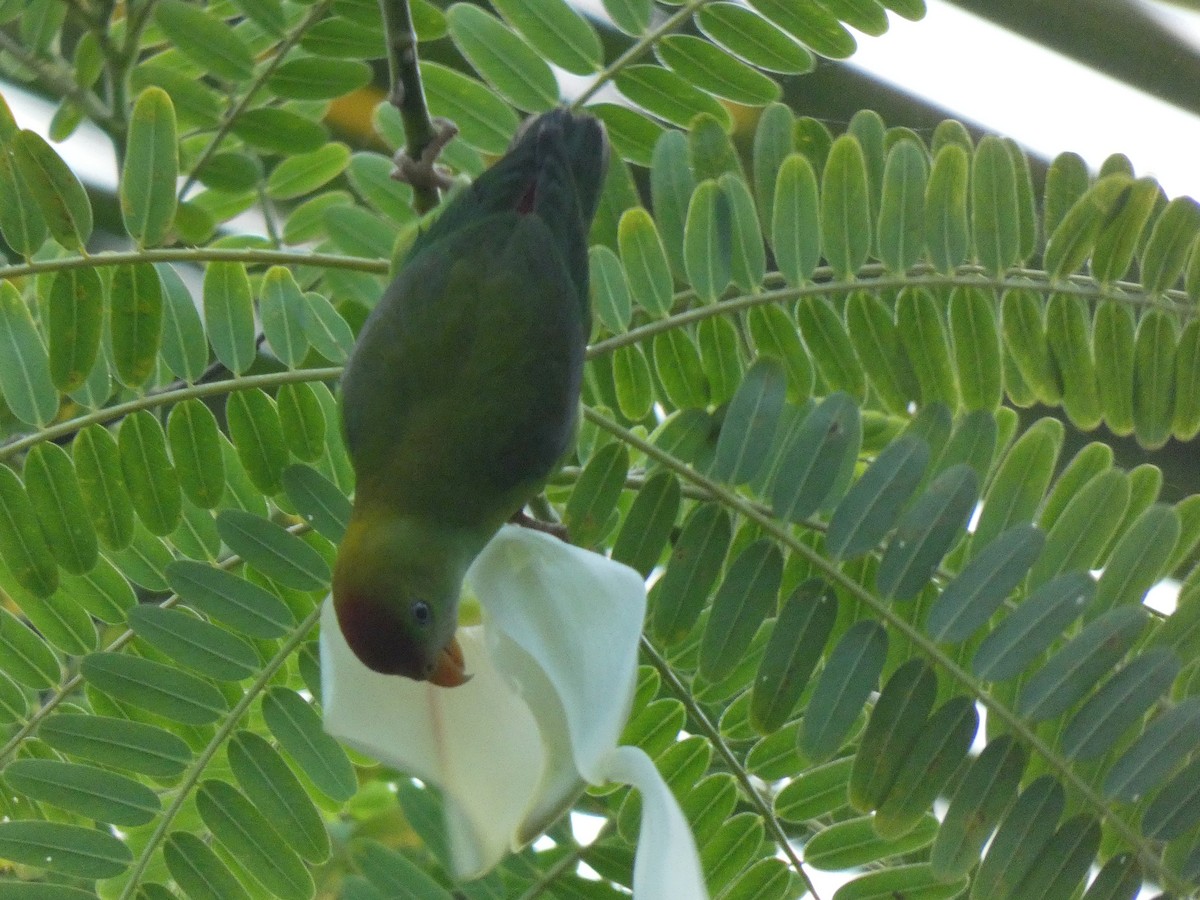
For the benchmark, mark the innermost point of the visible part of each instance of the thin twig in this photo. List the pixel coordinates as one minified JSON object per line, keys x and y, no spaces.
{"x":643,"y":44}
{"x":61,"y":83}
{"x":423,"y":139}
{"x":235,"y":112}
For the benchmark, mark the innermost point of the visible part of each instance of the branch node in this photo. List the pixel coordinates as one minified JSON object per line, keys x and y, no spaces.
{"x":423,"y":173}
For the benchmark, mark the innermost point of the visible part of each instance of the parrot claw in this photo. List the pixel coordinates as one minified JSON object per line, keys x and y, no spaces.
{"x":554,"y":529}
{"x":423,"y":172}
{"x":451,"y":667}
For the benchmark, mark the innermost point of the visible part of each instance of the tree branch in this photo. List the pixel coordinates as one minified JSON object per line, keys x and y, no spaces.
{"x":424,"y":137}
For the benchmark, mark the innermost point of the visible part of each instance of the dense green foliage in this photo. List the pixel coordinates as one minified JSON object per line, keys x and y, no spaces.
{"x":808,"y":371}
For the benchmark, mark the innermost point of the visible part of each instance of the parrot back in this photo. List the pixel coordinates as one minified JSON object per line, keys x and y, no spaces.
{"x":462,"y":393}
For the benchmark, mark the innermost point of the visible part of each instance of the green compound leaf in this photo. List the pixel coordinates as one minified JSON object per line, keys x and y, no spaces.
{"x":135,"y":321}
{"x":648,"y":524}
{"x":926,"y":532}
{"x":234,"y":601}
{"x":707,"y":252}
{"x":1033,"y":626}
{"x":976,"y":805}
{"x":68,"y":849}
{"x":1023,"y":834}
{"x":307,"y":172}
{"x":747,"y":595}
{"x":896,"y":722}
{"x":846,"y":227}
{"x":25,"y":381}
{"x":313,"y":78}
{"x":151,"y":168}
{"x":1074,"y":670}
{"x":947,"y":233}
{"x":273,"y":550}
{"x":245,"y":832}
{"x":120,"y":743}
{"x":556,"y":31}
{"x":645,"y":261}
{"x":1119,"y":703}
{"x":504,"y":61}
{"x":795,"y":220}
{"x":854,"y":842}
{"x":22,"y":544}
{"x":812,"y":25}
{"x":257,"y":434}
{"x":297,"y":728}
{"x":229,"y":314}
{"x":151,"y":479}
{"x":1156,"y":753}
{"x":750,"y":423}
{"x":206,"y":39}
{"x":870,"y":508}
{"x":86,"y":790}
{"x":196,"y":450}
{"x":198,"y":870}
{"x":692,"y":570}
{"x":56,"y":496}
{"x":751,"y":37}
{"x":269,"y":784}
{"x":818,"y":461}
{"x":155,"y":687}
{"x":851,"y":672}
{"x":714,"y":70}
{"x":192,"y":642}
{"x":75,"y":324}
{"x":981,"y":587}
{"x":58,"y":192}
{"x":796,"y":645}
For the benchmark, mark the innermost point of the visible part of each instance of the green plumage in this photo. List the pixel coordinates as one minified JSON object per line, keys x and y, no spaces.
{"x":462,"y":393}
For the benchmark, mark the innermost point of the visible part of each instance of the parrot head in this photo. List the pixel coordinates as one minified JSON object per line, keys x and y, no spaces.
{"x":396,"y":597}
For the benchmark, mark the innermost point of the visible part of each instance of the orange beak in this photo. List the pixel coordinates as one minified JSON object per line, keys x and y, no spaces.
{"x":451,"y":669}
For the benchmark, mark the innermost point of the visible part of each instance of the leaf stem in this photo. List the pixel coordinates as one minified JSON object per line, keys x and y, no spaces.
{"x":680,"y":690}
{"x":199,"y":255}
{"x":163,"y":398}
{"x":640,"y":46}
{"x":875,"y":278}
{"x":919,"y":639}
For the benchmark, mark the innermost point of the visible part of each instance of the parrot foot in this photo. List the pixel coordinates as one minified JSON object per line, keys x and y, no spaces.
{"x":555,"y":529}
{"x":423,"y":172}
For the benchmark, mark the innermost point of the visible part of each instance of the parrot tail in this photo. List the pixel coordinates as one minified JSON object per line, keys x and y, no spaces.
{"x":580,"y":142}
{"x":555,"y":169}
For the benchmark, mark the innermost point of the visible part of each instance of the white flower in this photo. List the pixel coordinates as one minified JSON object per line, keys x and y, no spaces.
{"x":554,"y":666}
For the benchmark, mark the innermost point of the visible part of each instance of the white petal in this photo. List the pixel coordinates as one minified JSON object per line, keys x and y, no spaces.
{"x":577,"y":617}
{"x":667,"y":866}
{"x":478,"y":743}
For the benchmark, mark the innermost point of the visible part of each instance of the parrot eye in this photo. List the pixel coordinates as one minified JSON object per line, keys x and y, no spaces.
{"x":421,"y":612}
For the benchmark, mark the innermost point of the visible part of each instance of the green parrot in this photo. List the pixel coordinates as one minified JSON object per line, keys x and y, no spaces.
{"x":462,"y":393}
